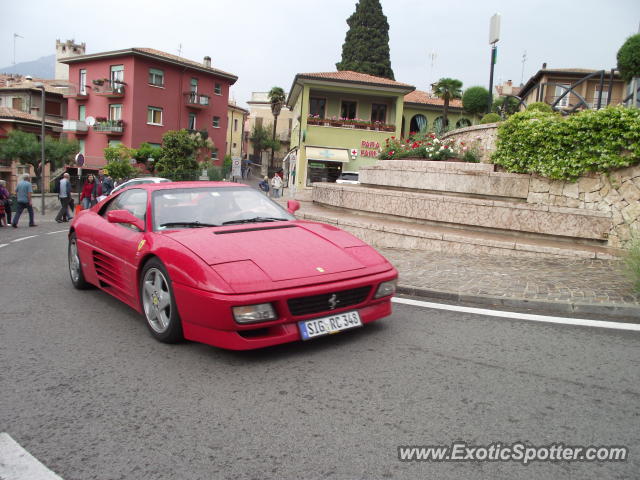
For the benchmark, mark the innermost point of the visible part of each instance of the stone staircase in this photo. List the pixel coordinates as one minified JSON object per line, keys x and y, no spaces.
{"x":460,"y":207}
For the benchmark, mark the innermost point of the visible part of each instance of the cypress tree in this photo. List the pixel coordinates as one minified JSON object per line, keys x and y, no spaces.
{"x":366,"y":46}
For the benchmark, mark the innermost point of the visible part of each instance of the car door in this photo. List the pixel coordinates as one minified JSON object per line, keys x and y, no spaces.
{"x":115,"y":258}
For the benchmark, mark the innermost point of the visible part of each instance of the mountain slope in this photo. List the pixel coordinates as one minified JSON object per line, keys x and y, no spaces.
{"x":44,"y":67}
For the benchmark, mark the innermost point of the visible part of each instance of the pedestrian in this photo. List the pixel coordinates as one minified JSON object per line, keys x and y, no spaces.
{"x":264,"y":185}
{"x":64,"y":195}
{"x":276,"y":185}
{"x":107,"y":185}
{"x":24,"y":191}
{"x":88,"y":195}
{"x":71,"y":208}
{"x":5,"y":199}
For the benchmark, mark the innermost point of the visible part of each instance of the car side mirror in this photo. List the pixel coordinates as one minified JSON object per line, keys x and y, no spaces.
{"x":125,"y":216}
{"x":293,"y":205}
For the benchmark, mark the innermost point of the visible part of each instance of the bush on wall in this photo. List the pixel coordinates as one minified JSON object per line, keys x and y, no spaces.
{"x":566,"y":148}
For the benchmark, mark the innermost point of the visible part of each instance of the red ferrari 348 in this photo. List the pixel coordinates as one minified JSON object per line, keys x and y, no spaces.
{"x":220,"y":263}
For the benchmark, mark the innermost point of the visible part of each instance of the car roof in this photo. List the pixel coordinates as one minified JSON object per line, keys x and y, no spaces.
{"x":194,"y":184}
{"x":148,"y":179}
{"x":349,"y":171}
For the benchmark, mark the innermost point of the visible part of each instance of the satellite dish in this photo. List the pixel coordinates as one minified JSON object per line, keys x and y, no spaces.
{"x":90,"y":121}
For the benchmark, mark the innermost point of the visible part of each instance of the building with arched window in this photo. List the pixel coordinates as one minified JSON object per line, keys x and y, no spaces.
{"x":423,"y":113}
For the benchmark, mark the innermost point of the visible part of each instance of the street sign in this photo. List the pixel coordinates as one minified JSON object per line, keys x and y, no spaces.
{"x":79,"y":159}
{"x":236,"y":167}
{"x":90,"y":121}
{"x":494,"y":29}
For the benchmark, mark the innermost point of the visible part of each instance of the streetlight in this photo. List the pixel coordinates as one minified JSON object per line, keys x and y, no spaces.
{"x":42,"y":159}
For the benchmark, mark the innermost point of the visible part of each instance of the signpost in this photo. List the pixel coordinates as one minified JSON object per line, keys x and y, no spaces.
{"x":80,"y":163}
{"x":236,"y":168}
{"x":494,"y":36}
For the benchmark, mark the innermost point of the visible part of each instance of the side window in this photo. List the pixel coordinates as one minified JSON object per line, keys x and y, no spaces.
{"x":134,"y":200}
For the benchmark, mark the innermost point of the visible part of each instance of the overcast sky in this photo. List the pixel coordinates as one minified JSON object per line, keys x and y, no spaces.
{"x":265,"y":43}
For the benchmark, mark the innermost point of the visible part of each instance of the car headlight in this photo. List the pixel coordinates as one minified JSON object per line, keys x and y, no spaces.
{"x":254,"y":313}
{"x":386,"y":288}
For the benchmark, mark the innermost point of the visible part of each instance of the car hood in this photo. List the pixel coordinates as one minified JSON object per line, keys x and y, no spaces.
{"x":253,"y":257}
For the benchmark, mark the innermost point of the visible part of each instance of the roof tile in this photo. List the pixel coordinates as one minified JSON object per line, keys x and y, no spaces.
{"x":351,"y":76}
{"x":418,"y":96}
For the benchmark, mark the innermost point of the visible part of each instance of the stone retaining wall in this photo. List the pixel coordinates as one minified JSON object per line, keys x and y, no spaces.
{"x":616,"y":194}
{"x":481,"y":138}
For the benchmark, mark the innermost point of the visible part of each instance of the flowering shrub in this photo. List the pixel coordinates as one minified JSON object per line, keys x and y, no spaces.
{"x":427,"y":146}
{"x":565,"y":148}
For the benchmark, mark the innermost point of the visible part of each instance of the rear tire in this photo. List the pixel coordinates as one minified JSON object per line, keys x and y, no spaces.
{"x":158,"y":303}
{"x":75,"y":266}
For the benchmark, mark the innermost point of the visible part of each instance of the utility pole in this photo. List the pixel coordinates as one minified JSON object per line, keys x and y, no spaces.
{"x":494,"y":36}
{"x":524,"y":59}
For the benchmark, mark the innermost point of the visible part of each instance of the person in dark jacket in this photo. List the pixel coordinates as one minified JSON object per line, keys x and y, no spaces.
{"x":64,"y":195}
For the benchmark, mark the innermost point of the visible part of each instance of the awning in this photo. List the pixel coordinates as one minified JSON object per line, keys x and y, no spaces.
{"x":328,"y":154}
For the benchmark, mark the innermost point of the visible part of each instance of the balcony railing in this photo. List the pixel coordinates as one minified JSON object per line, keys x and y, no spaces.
{"x":110,"y":127}
{"x":350,"y":123}
{"x":109,"y":89}
{"x":196,"y":100}
{"x":74,"y":126}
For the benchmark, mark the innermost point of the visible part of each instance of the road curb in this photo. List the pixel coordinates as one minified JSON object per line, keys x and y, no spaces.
{"x":611,"y":310}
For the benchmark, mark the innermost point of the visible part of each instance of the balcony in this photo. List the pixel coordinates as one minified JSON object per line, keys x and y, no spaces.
{"x":79,"y":127}
{"x":109,"y":127}
{"x":355,"y":123}
{"x":195,"y":100}
{"x":106,"y":88}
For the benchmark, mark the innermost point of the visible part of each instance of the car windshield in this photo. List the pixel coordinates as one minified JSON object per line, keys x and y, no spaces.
{"x":198,"y":207}
{"x":349,"y":176}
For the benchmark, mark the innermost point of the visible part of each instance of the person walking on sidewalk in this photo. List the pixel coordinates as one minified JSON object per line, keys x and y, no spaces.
{"x":5,"y":199}
{"x":24,"y":190}
{"x":276,"y":185}
{"x":264,"y":185}
{"x":88,"y":196}
{"x":64,"y":195}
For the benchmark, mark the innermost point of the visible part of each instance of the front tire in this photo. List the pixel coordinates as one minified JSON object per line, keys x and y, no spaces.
{"x":158,"y":303}
{"x":75,"y":266}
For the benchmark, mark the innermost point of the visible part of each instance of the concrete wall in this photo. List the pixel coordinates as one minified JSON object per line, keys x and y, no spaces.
{"x":596,"y":207}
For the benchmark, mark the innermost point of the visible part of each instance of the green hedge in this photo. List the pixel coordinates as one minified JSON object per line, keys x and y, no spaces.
{"x":565,"y":148}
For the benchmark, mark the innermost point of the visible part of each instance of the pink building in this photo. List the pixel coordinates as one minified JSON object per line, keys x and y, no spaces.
{"x":138,"y":94}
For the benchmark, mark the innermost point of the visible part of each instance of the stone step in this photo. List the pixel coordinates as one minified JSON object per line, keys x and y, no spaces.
{"x":384,"y":231}
{"x":569,"y":223}
{"x":450,"y":177}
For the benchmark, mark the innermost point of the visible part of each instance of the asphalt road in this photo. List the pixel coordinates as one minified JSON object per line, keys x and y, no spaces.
{"x":87,"y":391}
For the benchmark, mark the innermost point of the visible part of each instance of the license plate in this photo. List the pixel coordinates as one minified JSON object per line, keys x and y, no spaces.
{"x":328,"y":325}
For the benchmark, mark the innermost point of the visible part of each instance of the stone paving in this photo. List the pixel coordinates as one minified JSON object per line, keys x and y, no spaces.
{"x":582,"y":281}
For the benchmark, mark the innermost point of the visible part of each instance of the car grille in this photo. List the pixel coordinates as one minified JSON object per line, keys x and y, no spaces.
{"x":328,"y":301}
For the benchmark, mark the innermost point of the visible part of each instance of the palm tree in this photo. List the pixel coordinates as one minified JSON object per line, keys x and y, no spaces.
{"x":447,"y":89}
{"x":277,"y":99}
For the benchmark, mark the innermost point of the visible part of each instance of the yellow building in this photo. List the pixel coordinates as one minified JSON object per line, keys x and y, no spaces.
{"x":236,"y":116}
{"x":260,"y":114}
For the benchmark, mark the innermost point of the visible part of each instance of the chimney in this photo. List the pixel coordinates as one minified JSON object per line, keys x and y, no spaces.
{"x":509,"y":82}
{"x":207,"y":61}
{"x":544,"y":66}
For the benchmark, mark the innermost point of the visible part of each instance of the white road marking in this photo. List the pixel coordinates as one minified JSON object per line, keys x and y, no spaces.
{"x":23,"y":238}
{"x":3,"y":245}
{"x":521,"y":316}
{"x":18,"y":464}
{"x":58,"y":231}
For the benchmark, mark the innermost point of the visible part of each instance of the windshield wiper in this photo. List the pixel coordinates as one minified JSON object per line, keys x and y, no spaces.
{"x":195,"y":224}
{"x":255,"y":220}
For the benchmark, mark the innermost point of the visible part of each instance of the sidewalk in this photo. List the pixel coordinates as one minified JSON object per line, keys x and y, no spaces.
{"x":580,"y":286}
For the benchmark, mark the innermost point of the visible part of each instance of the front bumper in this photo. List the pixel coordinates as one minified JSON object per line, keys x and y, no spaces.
{"x":207,"y":317}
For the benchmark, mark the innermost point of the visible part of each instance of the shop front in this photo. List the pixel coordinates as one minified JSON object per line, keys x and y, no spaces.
{"x":325,"y":164}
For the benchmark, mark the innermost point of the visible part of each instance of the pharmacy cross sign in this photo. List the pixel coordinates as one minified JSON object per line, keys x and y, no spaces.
{"x":354,"y":152}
